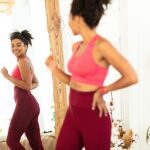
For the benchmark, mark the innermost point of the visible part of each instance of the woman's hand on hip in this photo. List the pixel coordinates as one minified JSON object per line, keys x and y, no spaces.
{"x":4,"y":72}
{"x":99,"y":102}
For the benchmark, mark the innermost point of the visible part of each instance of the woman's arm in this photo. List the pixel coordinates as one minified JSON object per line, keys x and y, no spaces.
{"x":19,"y":83}
{"x":25,"y":70}
{"x":56,"y":71}
{"x":65,"y":78}
{"x":128,"y":75}
{"x":114,"y":58}
{"x":35,"y":82}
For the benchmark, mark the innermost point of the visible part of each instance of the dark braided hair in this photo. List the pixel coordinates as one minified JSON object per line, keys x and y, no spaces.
{"x":90,"y":10}
{"x":24,"y":36}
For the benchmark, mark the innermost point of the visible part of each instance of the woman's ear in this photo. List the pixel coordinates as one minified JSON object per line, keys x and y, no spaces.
{"x":77,"y":18}
{"x":80,"y":21}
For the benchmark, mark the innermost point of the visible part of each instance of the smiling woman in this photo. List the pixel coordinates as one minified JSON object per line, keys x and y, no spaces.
{"x":37,"y":53}
{"x":25,"y":115}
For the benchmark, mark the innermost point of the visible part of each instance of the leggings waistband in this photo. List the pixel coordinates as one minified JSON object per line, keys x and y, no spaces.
{"x":80,"y":98}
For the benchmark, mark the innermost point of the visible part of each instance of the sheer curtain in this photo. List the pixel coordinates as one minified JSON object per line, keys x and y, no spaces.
{"x":136,"y":35}
{"x":28,"y":15}
{"x":7,"y":60}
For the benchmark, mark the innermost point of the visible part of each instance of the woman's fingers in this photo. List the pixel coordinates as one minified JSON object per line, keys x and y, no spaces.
{"x":102,"y":109}
{"x":50,"y":62}
{"x":105,"y":110}
{"x":3,"y":70}
{"x":94,"y":104}
{"x":47,"y":61}
{"x":100,"y":104}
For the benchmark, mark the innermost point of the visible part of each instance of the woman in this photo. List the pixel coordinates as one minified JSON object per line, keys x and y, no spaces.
{"x":25,"y":116}
{"x":87,"y":122}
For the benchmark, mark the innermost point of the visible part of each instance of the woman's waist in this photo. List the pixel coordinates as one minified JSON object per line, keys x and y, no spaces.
{"x":82,"y":87}
{"x":89,"y":79}
{"x":25,"y":99}
{"x":22,"y":94}
{"x":16,"y":88}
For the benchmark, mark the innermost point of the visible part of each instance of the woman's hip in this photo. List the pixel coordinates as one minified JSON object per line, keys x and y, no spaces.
{"x":24,"y":96}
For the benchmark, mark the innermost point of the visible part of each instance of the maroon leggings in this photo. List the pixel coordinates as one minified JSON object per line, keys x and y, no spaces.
{"x":83,"y":127}
{"x":24,"y":120}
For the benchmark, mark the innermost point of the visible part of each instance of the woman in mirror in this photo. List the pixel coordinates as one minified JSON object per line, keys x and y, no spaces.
{"x":25,"y":116}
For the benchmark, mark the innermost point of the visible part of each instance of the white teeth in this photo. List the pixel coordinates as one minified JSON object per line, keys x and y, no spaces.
{"x":16,"y":53}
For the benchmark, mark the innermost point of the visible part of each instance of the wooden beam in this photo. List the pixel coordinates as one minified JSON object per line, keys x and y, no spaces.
{"x":55,"y":36}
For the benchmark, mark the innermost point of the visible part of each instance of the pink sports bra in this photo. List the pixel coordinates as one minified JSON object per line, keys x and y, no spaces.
{"x":16,"y":72}
{"x":84,"y":69}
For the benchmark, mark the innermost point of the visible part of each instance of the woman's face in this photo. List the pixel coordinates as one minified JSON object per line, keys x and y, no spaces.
{"x":74,"y":24}
{"x":18,"y":47}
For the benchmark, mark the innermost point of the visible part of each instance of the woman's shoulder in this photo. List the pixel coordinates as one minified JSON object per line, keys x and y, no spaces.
{"x":105,"y":47}
{"x":102,"y":40}
{"x":24,"y":61}
{"x":103,"y":43}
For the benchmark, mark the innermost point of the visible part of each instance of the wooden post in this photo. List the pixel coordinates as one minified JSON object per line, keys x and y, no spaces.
{"x":55,"y":36}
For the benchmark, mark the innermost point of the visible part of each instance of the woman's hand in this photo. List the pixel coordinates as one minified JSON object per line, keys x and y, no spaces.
{"x":99,"y":102}
{"x":4,"y":72}
{"x":50,"y":63}
{"x":59,"y":73}
{"x":35,"y":82}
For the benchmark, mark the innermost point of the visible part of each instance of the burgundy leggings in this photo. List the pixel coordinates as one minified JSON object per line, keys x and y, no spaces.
{"x":83,"y":127}
{"x":24,"y":120}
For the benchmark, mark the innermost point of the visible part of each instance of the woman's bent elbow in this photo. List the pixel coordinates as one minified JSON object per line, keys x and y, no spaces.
{"x":134,"y":80}
{"x":28,"y":87}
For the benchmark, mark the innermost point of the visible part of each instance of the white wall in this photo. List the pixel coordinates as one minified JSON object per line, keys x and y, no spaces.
{"x":137,"y":35}
{"x":5,"y":29}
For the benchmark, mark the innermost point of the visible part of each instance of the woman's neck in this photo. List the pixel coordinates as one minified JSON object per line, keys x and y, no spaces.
{"x":88,"y":34}
{"x":21,"y":56}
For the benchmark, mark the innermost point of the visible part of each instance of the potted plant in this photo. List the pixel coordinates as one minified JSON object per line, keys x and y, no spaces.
{"x":121,"y":138}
